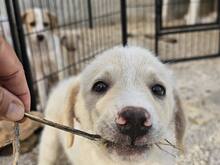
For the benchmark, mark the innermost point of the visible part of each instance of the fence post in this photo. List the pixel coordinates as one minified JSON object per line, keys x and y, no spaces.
{"x":17,"y":32}
{"x":90,"y":14}
{"x":158,"y":22}
{"x":218,"y":21}
{"x":124,"y":22}
{"x":13,"y":29}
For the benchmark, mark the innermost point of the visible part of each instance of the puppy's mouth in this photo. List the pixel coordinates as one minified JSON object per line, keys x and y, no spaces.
{"x":123,"y":149}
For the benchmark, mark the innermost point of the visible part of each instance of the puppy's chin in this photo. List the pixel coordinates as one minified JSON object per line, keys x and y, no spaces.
{"x":123,"y":151}
{"x":132,"y":153}
{"x":127,"y":150}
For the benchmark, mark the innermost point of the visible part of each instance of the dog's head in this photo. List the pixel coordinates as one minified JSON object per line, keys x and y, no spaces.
{"x":127,"y":96}
{"x":38,"y":23}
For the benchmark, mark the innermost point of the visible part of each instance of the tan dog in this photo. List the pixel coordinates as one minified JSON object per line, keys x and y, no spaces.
{"x":46,"y":54}
{"x":125,"y":95}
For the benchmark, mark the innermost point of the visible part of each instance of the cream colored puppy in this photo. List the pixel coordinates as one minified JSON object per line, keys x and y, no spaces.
{"x":46,"y":54}
{"x":125,"y":95}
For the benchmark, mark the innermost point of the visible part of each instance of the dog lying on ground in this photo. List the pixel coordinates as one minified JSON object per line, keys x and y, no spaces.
{"x":193,"y":11}
{"x":128,"y":97}
{"x":47,"y":56}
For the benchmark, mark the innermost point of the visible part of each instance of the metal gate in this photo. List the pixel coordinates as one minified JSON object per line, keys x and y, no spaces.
{"x":97,"y":25}
{"x":92,"y":28}
{"x":201,"y":30}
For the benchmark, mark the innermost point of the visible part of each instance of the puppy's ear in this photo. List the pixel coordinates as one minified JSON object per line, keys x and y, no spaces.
{"x":53,"y":19}
{"x":23,"y":17}
{"x":180,"y":122}
{"x":69,"y":114}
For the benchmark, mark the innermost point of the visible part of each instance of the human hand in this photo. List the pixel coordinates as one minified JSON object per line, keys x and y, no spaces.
{"x":14,"y":92}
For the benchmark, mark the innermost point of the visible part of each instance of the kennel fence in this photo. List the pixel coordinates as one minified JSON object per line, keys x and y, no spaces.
{"x":203,"y":33}
{"x":88,"y":27}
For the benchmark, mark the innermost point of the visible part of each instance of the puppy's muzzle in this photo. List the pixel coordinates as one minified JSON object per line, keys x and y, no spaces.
{"x":134,"y":122}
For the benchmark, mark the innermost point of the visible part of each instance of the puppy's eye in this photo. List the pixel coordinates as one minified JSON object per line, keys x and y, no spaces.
{"x":33,"y":24}
{"x":100,"y":87}
{"x":46,"y":24}
{"x":158,"y":90}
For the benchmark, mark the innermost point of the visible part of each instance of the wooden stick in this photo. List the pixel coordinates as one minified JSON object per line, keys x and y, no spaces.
{"x":172,"y":145}
{"x":16,"y":144}
{"x":152,"y":36}
{"x":63,"y":127}
{"x":164,"y":150}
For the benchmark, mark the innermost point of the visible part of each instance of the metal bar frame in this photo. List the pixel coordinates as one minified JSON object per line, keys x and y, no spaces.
{"x":162,"y":31}
{"x":123,"y":6}
{"x":15,"y":21}
{"x":172,"y":61}
{"x":158,"y":24}
{"x":90,"y":14}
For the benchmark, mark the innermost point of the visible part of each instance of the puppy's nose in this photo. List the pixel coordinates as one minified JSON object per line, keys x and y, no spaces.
{"x":40,"y":37}
{"x":134,"y":122}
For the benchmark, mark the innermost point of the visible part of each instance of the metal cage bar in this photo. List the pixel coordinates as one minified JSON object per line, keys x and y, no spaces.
{"x":162,"y":31}
{"x":16,"y":28}
{"x":90,"y":14}
{"x":101,"y":26}
{"x":124,"y":22}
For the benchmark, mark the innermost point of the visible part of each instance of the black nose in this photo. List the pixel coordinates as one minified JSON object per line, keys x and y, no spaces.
{"x":134,"y":122}
{"x":40,"y":37}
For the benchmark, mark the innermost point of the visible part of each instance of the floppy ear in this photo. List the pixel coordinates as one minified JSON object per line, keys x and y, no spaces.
{"x":53,"y":19}
{"x":69,"y":114}
{"x":180,"y":122}
{"x":23,"y":17}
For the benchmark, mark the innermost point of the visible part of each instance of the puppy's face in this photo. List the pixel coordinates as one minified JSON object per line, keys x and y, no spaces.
{"x":37,"y":23}
{"x":127,"y":96}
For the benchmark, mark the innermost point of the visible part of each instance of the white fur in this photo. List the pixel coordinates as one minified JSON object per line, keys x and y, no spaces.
{"x":192,"y":17}
{"x":130,"y":71}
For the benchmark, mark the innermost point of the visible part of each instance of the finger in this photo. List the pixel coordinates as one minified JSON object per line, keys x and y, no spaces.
{"x":12,"y":75}
{"x":11,"y":108}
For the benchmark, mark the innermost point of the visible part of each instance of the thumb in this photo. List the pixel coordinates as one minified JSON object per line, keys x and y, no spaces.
{"x":11,"y":108}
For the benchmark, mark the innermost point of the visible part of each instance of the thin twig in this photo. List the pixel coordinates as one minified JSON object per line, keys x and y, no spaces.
{"x":169,"y":144}
{"x":172,"y":145}
{"x":16,"y":144}
{"x":64,"y":128}
{"x":164,"y":150}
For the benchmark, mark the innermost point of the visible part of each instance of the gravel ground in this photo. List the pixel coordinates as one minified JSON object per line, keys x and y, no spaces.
{"x":198,"y":84}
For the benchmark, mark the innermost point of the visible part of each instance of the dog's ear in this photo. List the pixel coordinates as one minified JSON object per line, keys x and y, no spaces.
{"x":24,"y":16}
{"x":180,"y":122}
{"x":53,"y":19}
{"x":69,"y":114}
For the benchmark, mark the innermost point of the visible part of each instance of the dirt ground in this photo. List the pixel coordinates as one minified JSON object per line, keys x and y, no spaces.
{"x":198,"y":84}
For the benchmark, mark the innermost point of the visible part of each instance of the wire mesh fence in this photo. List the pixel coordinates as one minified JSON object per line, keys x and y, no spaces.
{"x":63,"y":36}
{"x":194,"y":24}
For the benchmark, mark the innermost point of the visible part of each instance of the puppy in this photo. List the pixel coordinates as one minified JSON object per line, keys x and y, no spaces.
{"x":125,"y":95}
{"x":46,"y":54}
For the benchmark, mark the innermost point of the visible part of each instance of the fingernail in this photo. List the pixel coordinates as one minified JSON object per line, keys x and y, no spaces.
{"x":15,"y":111}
